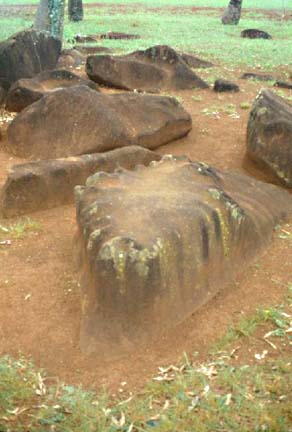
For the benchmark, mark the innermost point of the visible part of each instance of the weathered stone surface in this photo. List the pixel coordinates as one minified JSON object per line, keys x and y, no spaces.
{"x":269,"y":134}
{"x":45,"y":184}
{"x":283,"y":84}
{"x":221,"y":85}
{"x":2,"y":95}
{"x":78,"y":120}
{"x":27,"y":91}
{"x":153,"y":70}
{"x":156,"y":243}
{"x":26,"y":54}
{"x":71,"y":59}
{"x":255,"y":34}
{"x":232,"y":13}
{"x":195,"y":62}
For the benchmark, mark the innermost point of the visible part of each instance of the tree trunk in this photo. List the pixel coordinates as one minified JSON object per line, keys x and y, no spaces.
{"x":75,"y":10}
{"x":232,"y":13}
{"x":50,"y":17}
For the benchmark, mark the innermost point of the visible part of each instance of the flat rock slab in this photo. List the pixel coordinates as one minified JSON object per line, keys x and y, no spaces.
{"x":109,"y":35}
{"x":269,"y":135}
{"x":26,"y":54}
{"x":156,"y":69}
{"x":92,"y":49}
{"x":45,"y":184}
{"x":78,"y":120}
{"x":258,"y":76}
{"x":156,"y":243}
{"x":267,"y":77}
{"x":255,"y":34}
{"x":27,"y":91}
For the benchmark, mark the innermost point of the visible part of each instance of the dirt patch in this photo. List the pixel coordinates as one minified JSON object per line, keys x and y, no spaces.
{"x":39,"y":292}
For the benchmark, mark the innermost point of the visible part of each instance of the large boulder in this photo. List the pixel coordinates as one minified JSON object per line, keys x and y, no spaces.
{"x":27,"y":91}
{"x":79,"y":120}
{"x":156,"y":243}
{"x":156,"y":69}
{"x":269,"y":135}
{"x":44,"y":184}
{"x":26,"y":54}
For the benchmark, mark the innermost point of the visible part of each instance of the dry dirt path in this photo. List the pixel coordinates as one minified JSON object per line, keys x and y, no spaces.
{"x":39,"y":294}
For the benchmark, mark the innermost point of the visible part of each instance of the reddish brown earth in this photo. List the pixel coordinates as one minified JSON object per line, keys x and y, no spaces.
{"x":39,"y":294}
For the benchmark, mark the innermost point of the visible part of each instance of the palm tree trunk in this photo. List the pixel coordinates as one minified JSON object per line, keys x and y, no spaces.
{"x":75,"y":10}
{"x":50,"y":17}
{"x":232,"y":13}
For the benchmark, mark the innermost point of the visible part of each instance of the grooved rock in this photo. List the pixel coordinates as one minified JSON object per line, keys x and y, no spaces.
{"x":26,"y":54}
{"x":156,"y":243}
{"x":78,"y":120}
{"x":45,"y":184}
{"x":153,"y":70}
{"x":255,"y":34}
{"x":27,"y":91}
{"x":269,"y":134}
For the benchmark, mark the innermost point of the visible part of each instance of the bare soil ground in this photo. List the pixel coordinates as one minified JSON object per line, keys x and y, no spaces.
{"x":39,"y":293}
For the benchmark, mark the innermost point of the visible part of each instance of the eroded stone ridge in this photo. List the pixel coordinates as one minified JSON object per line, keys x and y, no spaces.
{"x":78,"y":120}
{"x":159,"y":68}
{"x":41,"y":185}
{"x":158,"y":242}
{"x":269,"y":134}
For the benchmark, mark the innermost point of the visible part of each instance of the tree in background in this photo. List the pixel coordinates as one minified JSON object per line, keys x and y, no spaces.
{"x":75,"y":10}
{"x":232,"y":13}
{"x":50,"y":17}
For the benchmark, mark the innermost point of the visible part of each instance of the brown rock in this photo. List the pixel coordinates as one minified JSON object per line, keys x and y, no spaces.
{"x":71,"y":59}
{"x":156,"y":243}
{"x":45,"y":184}
{"x":78,"y":120}
{"x":269,"y":135}
{"x":27,"y":91}
{"x":195,"y":62}
{"x":255,"y":34}
{"x":26,"y":54}
{"x":156,"y":69}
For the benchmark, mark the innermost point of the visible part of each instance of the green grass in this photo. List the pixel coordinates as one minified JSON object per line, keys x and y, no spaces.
{"x":18,"y":229}
{"x":200,"y":32}
{"x":255,"y":4}
{"x":224,"y":393}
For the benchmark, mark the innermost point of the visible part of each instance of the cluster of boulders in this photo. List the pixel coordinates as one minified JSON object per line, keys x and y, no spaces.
{"x":154,"y":234}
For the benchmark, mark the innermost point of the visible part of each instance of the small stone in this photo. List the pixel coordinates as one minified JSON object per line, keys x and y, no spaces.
{"x":221,"y":85}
